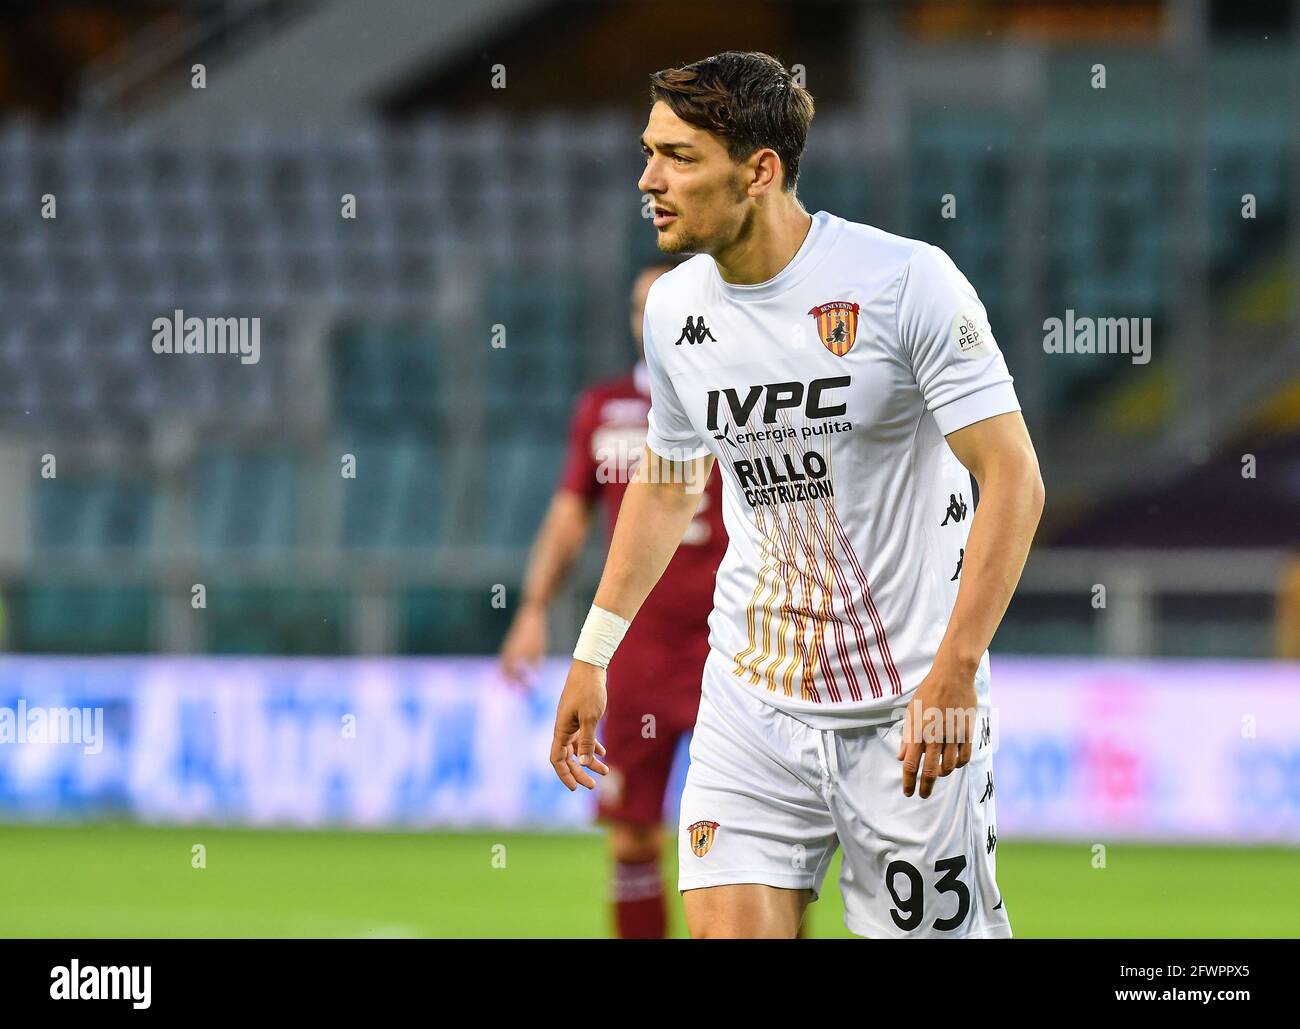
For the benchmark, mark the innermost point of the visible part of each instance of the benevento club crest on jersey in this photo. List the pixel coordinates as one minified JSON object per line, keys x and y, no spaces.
{"x":702,"y":837}
{"x":837,"y":325}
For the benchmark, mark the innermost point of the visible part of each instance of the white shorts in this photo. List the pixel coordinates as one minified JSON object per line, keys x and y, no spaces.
{"x":768,"y":799}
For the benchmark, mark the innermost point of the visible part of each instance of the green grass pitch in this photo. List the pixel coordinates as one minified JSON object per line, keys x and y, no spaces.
{"x":123,"y":880}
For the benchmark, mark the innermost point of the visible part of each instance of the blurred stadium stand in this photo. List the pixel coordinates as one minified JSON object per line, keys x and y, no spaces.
{"x":377,"y":332}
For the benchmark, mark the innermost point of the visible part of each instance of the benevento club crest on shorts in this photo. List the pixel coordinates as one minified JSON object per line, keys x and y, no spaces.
{"x":837,"y":325}
{"x":702,"y":834}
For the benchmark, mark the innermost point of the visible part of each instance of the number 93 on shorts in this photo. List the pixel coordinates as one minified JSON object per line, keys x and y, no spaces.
{"x":768,"y":799}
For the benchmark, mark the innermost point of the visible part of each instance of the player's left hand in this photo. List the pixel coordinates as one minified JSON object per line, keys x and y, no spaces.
{"x":938,"y":728}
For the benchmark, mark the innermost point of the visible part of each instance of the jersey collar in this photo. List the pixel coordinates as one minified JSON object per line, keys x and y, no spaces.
{"x":821,"y":234}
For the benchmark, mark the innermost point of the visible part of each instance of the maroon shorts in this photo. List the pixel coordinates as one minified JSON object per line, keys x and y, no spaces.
{"x":654,"y":697}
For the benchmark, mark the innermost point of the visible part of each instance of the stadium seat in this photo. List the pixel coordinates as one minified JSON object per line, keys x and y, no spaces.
{"x":284,"y":620}
{"x":400,"y":495}
{"x":450,"y":621}
{"x":246,"y":500}
{"x":80,"y":620}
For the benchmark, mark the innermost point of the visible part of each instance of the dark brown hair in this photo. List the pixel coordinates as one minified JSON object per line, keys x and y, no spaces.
{"x":748,"y":100}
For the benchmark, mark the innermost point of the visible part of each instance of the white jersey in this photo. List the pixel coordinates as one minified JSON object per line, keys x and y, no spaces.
{"x":825,"y":394}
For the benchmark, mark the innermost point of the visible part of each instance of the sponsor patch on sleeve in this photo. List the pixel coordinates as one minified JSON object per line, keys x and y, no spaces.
{"x":972,"y":336}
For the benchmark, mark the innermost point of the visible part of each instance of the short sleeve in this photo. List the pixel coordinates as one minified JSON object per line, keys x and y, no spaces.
{"x":946,"y":338}
{"x":579,"y":475}
{"x":671,"y":434}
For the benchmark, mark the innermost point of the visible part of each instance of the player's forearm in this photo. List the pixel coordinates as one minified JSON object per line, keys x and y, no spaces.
{"x":659,"y":504}
{"x":1011,"y":502}
{"x":557,"y":545}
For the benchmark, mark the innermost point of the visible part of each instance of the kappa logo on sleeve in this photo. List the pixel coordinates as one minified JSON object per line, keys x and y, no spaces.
{"x":702,"y":834}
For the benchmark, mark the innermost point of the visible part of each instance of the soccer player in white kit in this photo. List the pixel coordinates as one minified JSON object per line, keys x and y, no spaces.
{"x":848,"y":384}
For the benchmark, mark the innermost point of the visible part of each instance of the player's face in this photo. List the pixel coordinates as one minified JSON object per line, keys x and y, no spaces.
{"x":640,"y":290}
{"x":700,"y":197}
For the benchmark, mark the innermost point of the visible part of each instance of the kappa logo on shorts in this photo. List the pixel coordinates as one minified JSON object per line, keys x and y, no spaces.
{"x":702,"y":834}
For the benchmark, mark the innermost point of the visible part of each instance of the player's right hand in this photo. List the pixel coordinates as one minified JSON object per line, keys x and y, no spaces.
{"x":524,"y":645}
{"x":574,"y":746}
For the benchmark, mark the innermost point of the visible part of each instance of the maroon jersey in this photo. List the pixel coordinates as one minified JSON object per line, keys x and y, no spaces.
{"x":658,"y":666}
{"x":606,"y":438}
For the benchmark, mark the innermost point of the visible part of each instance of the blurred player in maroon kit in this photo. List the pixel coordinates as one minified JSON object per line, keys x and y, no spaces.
{"x":654,"y":679}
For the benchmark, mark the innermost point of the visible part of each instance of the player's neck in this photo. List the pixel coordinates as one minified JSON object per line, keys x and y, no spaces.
{"x":765,"y":245}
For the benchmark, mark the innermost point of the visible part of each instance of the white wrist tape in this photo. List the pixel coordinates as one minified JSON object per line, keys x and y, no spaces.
{"x":601,"y":634}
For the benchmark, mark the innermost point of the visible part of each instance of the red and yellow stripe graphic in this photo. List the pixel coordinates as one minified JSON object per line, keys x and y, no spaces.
{"x":801,"y":584}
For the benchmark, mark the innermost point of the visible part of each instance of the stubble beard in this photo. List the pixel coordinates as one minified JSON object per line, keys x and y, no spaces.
{"x":682,"y":243}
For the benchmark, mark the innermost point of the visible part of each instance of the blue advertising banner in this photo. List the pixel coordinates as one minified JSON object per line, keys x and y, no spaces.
{"x":1085,"y":749}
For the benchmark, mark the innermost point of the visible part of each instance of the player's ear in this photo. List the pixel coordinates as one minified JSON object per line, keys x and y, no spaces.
{"x":765,"y":174}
